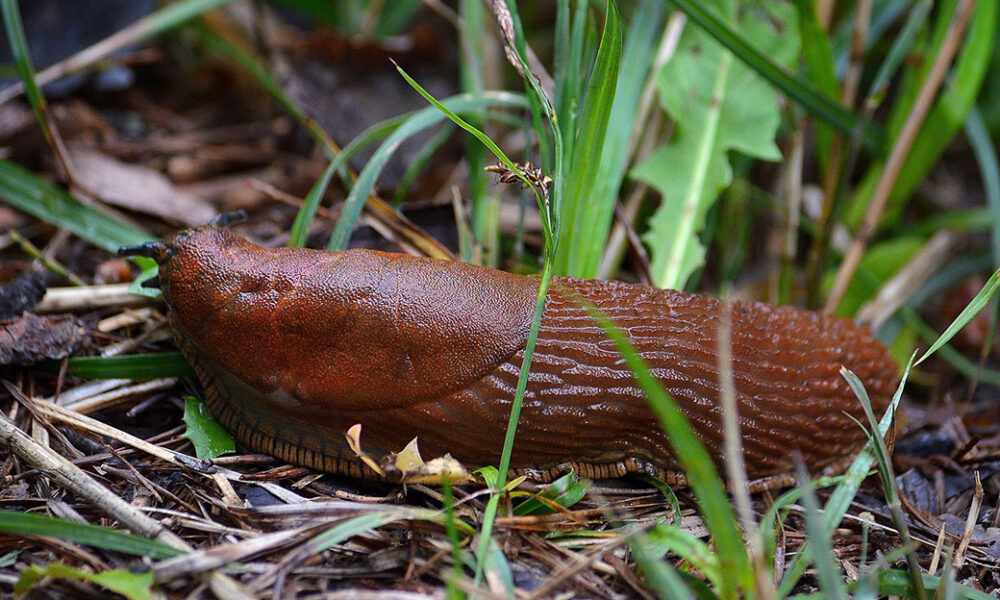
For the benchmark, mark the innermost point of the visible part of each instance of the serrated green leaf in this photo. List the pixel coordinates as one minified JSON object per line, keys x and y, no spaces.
{"x":210,"y":439}
{"x":134,"y":586}
{"x":719,"y":105}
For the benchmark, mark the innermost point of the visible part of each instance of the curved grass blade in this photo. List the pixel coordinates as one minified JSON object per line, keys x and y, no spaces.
{"x":304,"y":218}
{"x":978,"y":302}
{"x":839,"y":501}
{"x":416,"y":122}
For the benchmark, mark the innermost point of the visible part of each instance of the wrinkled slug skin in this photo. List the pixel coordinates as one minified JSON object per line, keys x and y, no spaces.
{"x":294,"y":346}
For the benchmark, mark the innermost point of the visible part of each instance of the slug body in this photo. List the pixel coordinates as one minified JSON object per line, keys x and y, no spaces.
{"x":294,"y":346}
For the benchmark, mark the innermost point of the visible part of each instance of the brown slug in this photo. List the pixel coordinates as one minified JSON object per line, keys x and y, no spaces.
{"x":294,"y":346}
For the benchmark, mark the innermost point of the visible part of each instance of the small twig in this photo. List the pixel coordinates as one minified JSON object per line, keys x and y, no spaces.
{"x":92,"y":296}
{"x":970,"y":524}
{"x":936,"y":558}
{"x":898,"y":155}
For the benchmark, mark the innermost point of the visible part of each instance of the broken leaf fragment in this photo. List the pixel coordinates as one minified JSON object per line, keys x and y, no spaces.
{"x":407,"y":466}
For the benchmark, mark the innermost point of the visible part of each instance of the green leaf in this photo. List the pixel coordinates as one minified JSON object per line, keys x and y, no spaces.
{"x":565,"y":492}
{"x":29,"y":193}
{"x":19,"y":523}
{"x":134,"y":586}
{"x":210,"y":439}
{"x":897,"y":583}
{"x":668,"y":538}
{"x":719,"y":105}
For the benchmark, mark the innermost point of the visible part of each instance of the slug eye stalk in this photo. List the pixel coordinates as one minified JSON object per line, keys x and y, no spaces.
{"x":158,"y":251}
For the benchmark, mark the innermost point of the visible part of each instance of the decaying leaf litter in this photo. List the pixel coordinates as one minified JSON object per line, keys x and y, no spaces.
{"x":245,"y":525}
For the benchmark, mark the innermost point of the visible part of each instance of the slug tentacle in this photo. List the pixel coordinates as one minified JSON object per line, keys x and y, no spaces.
{"x":295,"y":346}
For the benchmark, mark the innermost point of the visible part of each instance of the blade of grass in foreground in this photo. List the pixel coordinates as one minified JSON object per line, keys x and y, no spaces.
{"x":841,"y":497}
{"x":515,"y":411}
{"x":18,"y":523}
{"x":703,"y":479}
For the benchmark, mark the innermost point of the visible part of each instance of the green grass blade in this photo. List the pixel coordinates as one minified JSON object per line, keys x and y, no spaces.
{"x":794,"y":86}
{"x":978,"y":302}
{"x":18,"y":44}
{"x":831,"y":584}
{"x":303,"y":218}
{"x":667,"y":538}
{"x":586,"y":219}
{"x":19,"y":523}
{"x":132,"y":366}
{"x":985,"y":151}
{"x":895,"y":582}
{"x":820,"y":69}
{"x":839,"y":501}
{"x":263,"y":76}
{"x":901,"y":46}
{"x":43,"y":200}
{"x":659,"y":575}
